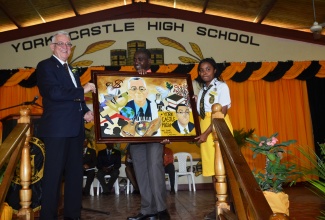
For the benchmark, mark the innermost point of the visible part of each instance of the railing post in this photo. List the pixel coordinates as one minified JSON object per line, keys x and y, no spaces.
{"x":25,"y":212}
{"x":219,"y":167}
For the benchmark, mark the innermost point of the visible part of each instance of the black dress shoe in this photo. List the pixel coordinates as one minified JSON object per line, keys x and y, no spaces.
{"x":86,"y":194}
{"x":163,"y":215}
{"x":172,"y":192}
{"x":141,"y":216}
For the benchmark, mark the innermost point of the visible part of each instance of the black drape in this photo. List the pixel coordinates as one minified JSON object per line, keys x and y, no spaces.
{"x":316,"y":98}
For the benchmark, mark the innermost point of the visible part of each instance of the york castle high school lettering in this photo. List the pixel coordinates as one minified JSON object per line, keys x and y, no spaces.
{"x":108,"y":30}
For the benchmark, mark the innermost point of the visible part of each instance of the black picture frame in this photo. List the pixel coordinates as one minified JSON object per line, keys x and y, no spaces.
{"x":118,"y":118}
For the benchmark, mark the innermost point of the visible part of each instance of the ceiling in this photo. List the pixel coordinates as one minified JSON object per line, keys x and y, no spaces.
{"x":282,"y":18}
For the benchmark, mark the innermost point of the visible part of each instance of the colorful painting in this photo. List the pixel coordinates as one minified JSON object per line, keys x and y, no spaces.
{"x":144,"y":108}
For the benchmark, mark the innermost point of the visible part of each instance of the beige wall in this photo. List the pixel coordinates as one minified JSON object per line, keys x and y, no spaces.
{"x":220,"y":43}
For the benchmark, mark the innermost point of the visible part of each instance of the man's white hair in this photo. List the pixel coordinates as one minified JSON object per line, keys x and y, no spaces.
{"x":60,"y":33}
{"x":136,"y":78}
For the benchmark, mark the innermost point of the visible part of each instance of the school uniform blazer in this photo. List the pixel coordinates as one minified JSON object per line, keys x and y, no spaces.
{"x":63,"y":103}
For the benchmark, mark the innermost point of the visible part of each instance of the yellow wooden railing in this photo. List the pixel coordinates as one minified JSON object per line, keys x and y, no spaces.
{"x":238,"y":195}
{"x":16,"y":148}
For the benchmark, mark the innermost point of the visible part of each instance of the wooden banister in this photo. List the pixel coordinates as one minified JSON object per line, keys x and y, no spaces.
{"x":25,"y":212}
{"x":11,"y":152}
{"x":233,"y":172}
{"x":16,"y":147}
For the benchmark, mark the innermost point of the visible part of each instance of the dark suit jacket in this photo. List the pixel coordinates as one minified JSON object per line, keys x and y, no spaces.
{"x":63,"y":103}
{"x":147,"y":114}
{"x":114,"y":159}
{"x":190,"y":126}
{"x":90,"y":158}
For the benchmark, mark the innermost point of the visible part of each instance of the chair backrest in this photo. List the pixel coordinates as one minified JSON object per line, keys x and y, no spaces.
{"x":182,"y":161}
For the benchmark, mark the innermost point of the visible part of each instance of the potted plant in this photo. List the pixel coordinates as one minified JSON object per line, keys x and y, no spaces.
{"x":241,"y":135}
{"x":275,"y":173}
{"x":318,"y":170}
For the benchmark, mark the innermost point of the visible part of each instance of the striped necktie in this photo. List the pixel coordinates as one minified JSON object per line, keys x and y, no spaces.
{"x":202,"y":110}
{"x":66,"y":67}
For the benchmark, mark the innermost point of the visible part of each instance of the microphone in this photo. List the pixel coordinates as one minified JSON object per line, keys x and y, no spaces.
{"x":32,"y":102}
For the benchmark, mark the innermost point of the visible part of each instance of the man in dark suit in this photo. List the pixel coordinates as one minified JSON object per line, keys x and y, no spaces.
{"x":148,"y":162}
{"x":183,"y":124}
{"x":61,"y":128}
{"x":89,"y":165}
{"x":108,"y":163}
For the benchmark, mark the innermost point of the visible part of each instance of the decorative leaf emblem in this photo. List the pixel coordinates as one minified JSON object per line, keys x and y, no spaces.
{"x":196,"y":49}
{"x":187,"y":59}
{"x":174,"y":44}
{"x":100,"y":45}
{"x":171,"y":43}
{"x":71,"y":54}
{"x":97,"y":46}
{"x":82,"y":63}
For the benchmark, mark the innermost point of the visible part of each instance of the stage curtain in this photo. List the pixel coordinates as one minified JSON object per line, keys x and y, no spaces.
{"x":265,"y":96}
{"x":16,"y":95}
{"x":281,"y":106}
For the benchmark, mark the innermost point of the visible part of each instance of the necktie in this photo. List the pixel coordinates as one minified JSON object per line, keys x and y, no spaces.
{"x":66,"y":67}
{"x":109,"y":155}
{"x":141,"y":114}
{"x":202,"y":110}
{"x":185,"y":131}
{"x":73,"y":78}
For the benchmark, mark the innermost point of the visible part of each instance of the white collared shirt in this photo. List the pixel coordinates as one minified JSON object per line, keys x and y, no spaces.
{"x":70,"y":72}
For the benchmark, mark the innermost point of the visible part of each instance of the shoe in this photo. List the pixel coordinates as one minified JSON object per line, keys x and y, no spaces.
{"x":136,"y":192}
{"x":141,"y":216}
{"x":163,"y":215}
{"x":85,"y":194}
{"x":106,"y":193}
{"x":210,"y":216}
{"x":172,"y":192}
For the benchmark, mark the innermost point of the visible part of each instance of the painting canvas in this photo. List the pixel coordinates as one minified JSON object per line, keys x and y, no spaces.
{"x":129,"y":107}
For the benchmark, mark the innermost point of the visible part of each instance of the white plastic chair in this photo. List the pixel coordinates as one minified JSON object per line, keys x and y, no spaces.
{"x":129,"y":186}
{"x":116,"y":185}
{"x":182,"y":169}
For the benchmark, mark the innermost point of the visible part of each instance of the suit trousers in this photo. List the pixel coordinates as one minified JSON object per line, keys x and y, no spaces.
{"x":150,"y":174}
{"x":170,"y":169}
{"x":63,"y":160}
{"x":90,"y":174}
{"x":107,"y":187}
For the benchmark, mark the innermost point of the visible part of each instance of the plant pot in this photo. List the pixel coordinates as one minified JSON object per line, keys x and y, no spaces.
{"x":279,"y":202}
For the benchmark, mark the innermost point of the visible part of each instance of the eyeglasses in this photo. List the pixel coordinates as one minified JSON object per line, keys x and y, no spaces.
{"x":61,"y":44}
{"x":140,"y":89}
{"x":183,"y":113}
